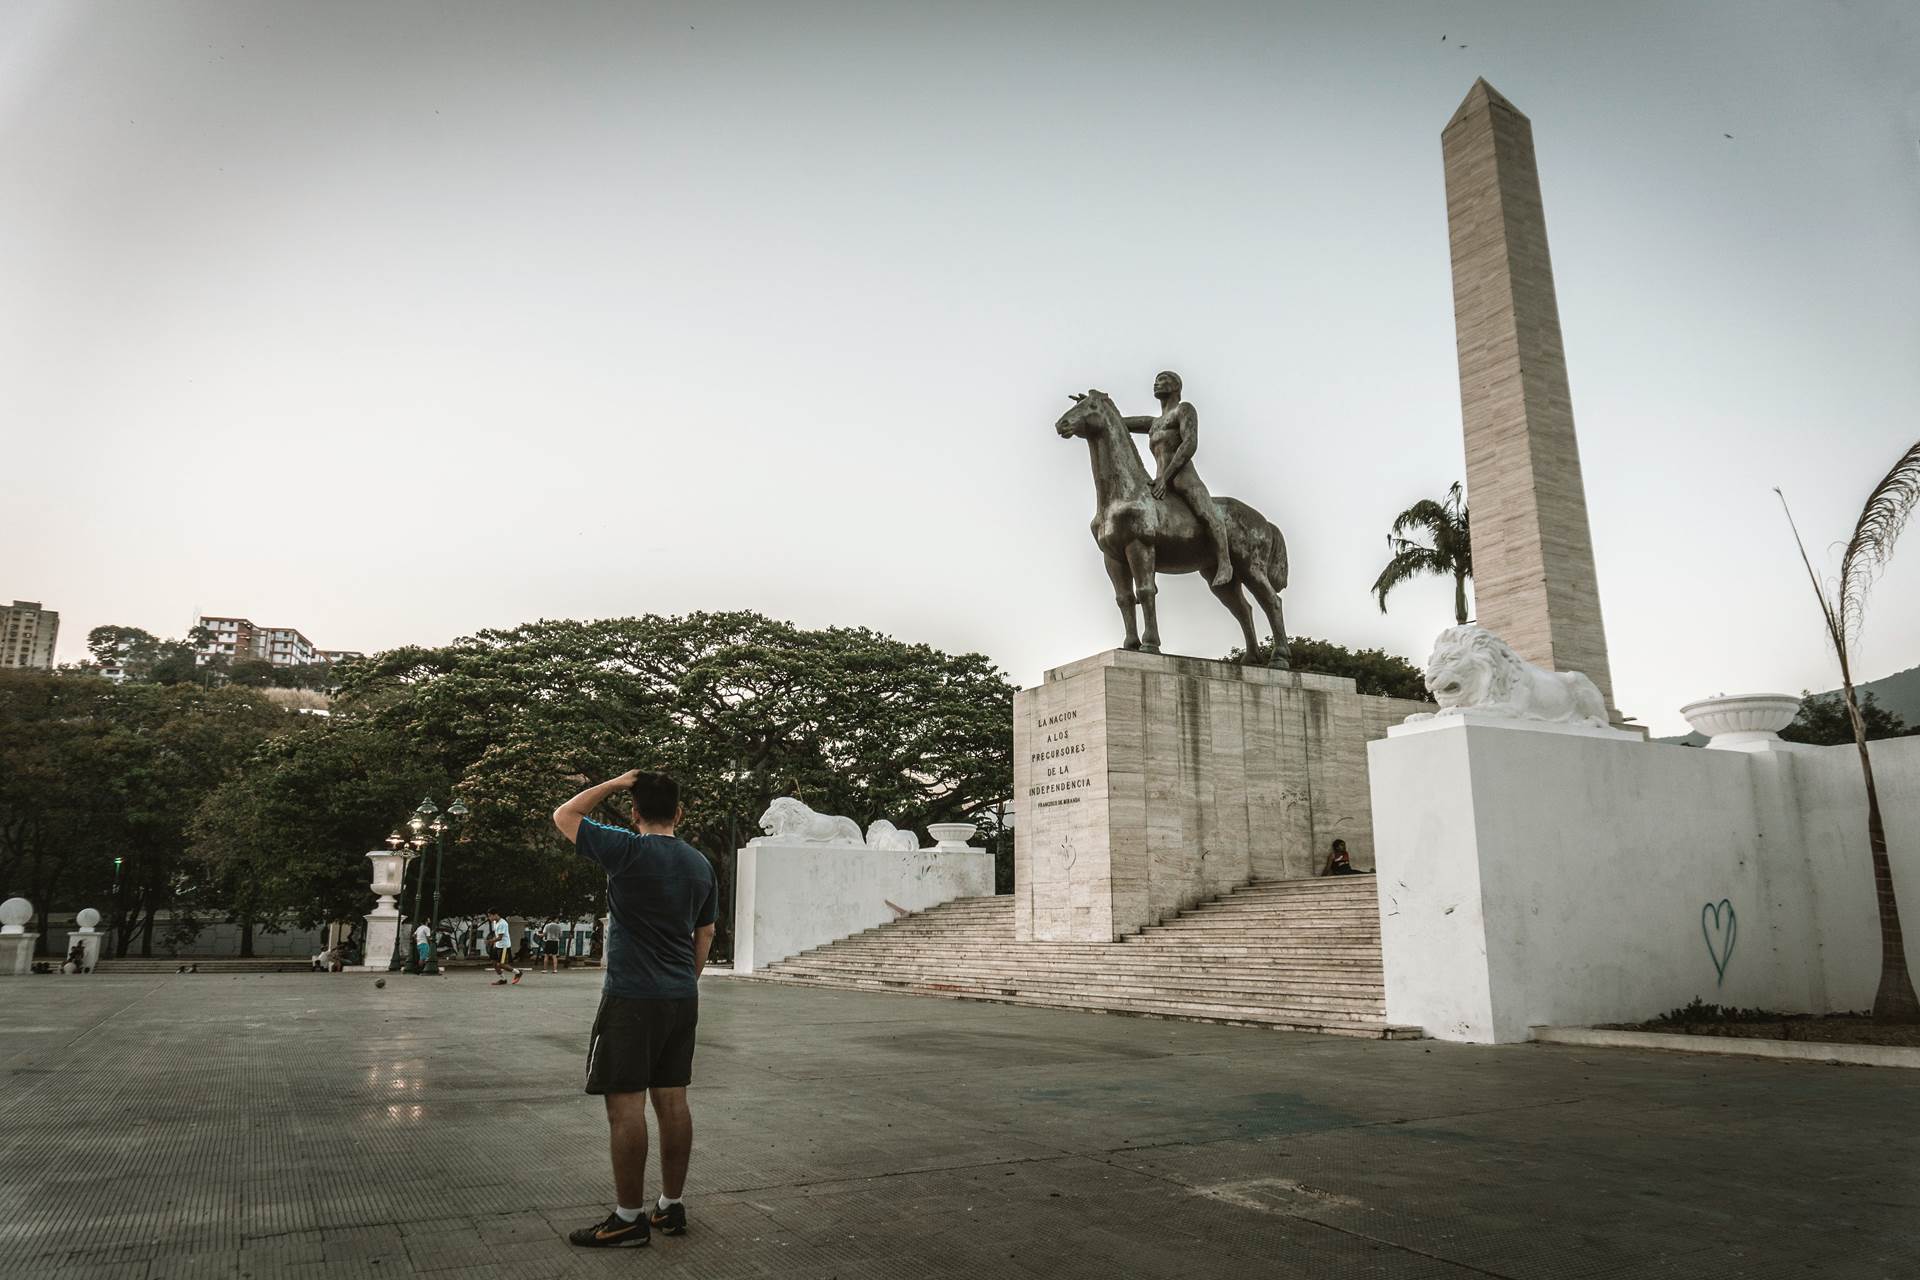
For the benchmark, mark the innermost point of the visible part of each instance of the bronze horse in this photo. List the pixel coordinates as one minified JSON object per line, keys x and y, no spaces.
{"x":1141,"y":535}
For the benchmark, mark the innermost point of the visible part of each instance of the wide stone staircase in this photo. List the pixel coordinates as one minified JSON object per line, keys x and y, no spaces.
{"x":1299,"y":955}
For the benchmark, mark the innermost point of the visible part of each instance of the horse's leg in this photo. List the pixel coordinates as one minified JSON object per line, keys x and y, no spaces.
{"x":1122,"y":575}
{"x":1236,"y":602}
{"x":1140,"y":559}
{"x":1262,"y":588}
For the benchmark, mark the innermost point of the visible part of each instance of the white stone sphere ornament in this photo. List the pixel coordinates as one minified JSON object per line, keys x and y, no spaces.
{"x":14,"y":914}
{"x":88,"y":919}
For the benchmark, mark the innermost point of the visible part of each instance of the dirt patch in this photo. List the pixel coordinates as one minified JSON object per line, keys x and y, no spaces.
{"x":1756,"y":1024}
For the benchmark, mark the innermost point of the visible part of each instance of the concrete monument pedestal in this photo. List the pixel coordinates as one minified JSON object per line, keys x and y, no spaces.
{"x":792,"y":897}
{"x":383,"y":922}
{"x":16,"y":944}
{"x":89,"y":937}
{"x":1535,"y":874}
{"x":1147,"y":783}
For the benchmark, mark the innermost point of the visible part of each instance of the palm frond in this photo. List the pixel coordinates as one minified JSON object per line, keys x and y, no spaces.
{"x":1424,"y":514}
{"x":1834,"y":631}
{"x":1885,"y":514}
{"x":1412,"y":562}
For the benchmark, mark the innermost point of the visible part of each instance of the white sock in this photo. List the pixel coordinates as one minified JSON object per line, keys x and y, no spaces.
{"x":628,"y":1215}
{"x":666,"y":1203}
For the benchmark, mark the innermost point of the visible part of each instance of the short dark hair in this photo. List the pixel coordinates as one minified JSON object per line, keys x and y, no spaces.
{"x":656,"y":797}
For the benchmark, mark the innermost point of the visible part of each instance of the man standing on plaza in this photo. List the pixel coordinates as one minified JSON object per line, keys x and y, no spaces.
{"x":422,"y":947}
{"x":500,"y":942}
{"x":662,"y":899}
{"x":551,"y":935}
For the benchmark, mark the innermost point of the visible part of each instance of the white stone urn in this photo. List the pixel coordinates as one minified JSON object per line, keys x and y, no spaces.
{"x":952,"y":836}
{"x":1742,"y":721}
{"x":389,"y":873}
{"x":14,"y":914}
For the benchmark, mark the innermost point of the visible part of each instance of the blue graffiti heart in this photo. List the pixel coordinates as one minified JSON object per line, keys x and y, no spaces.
{"x":1724,"y":923}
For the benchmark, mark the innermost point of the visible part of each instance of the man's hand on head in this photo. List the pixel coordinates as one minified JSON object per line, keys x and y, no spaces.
{"x":569,"y":815}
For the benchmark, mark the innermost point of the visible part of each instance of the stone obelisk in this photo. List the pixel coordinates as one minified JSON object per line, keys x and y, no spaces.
{"x":1533,"y":575}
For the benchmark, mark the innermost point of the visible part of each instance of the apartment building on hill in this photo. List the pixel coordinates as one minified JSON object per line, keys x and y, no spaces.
{"x":27,"y":634}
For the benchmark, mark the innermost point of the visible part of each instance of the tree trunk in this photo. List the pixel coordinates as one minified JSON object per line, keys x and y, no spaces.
{"x":246,"y":939}
{"x":1894,"y":999}
{"x":146,"y":929}
{"x":1459,"y":598}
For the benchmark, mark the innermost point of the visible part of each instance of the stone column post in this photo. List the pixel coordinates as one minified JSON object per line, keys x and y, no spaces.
{"x":88,"y":935}
{"x":16,"y":944}
{"x":383,"y":922}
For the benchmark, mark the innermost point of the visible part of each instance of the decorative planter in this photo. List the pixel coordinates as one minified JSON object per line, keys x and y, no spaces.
{"x":952,"y":835}
{"x":1742,"y":721}
{"x":388,"y":871}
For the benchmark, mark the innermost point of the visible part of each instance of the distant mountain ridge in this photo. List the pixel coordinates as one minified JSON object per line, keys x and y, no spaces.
{"x":1898,"y":693}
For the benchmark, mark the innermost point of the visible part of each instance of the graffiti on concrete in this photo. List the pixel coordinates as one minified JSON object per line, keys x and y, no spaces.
{"x":1719,"y":926}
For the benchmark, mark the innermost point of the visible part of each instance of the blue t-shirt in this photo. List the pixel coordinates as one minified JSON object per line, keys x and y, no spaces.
{"x":661,"y":889}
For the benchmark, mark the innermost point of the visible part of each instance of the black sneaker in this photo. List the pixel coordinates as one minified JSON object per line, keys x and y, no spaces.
{"x":612,"y":1234}
{"x":670,"y":1221}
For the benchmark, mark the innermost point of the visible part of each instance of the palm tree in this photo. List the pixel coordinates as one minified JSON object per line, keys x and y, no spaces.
{"x":1451,"y":552}
{"x":1843,"y":607}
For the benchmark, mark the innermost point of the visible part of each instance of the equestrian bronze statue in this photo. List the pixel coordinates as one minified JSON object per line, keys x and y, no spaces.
{"x":1146,"y":526}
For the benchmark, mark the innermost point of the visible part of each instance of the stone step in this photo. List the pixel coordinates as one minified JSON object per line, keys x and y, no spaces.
{"x":1299,"y":954}
{"x":1365,"y":1003}
{"x":1369,"y":1028}
{"x":1113,"y":952}
{"x":1257,"y":972}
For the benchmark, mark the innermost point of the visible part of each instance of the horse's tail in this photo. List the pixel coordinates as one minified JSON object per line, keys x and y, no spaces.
{"x":1277,"y":558}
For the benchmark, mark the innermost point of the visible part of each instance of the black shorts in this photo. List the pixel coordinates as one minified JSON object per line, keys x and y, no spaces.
{"x":641,"y":1044}
{"x":550,"y":948}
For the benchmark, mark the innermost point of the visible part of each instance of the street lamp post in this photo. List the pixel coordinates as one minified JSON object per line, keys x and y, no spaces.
{"x":428,"y":822}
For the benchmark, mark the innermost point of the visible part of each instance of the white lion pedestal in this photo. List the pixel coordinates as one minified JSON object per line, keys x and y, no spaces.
{"x":1477,"y":678}
{"x":813,"y":879}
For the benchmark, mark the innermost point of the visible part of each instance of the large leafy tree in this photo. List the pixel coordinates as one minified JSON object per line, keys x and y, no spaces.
{"x":1843,"y":609}
{"x":1823,"y":720}
{"x":1373,"y":671}
{"x":1447,"y":551}
{"x":98,"y":771}
{"x":740,"y":707}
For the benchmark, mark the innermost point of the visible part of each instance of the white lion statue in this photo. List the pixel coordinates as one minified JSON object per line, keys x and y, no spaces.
{"x":884,"y":835}
{"x":1473,"y":669}
{"x":787,"y":821}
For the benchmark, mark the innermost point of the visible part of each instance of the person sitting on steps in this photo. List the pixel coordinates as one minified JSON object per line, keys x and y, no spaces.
{"x":1338,"y":864}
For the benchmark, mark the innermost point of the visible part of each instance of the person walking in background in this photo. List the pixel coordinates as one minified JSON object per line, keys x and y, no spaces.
{"x":502,"y":949}
{"x":552,"y":933}
{"x":422,"y":947}
{"x":662,"y":899}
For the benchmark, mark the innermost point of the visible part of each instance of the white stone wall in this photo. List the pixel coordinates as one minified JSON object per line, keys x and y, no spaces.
{"x":1539,"y":878}
{"x":789,"y":898}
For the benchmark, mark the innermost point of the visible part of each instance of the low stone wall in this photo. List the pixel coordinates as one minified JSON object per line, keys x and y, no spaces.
{"x":789,"y":898}
{"x":1538,"y":878}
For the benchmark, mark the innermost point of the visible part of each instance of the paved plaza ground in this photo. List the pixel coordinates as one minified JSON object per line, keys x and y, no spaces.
{"x":312,"y":1125}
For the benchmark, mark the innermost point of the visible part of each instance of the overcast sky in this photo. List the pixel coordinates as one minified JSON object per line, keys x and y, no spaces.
{"x":394,"y":321}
